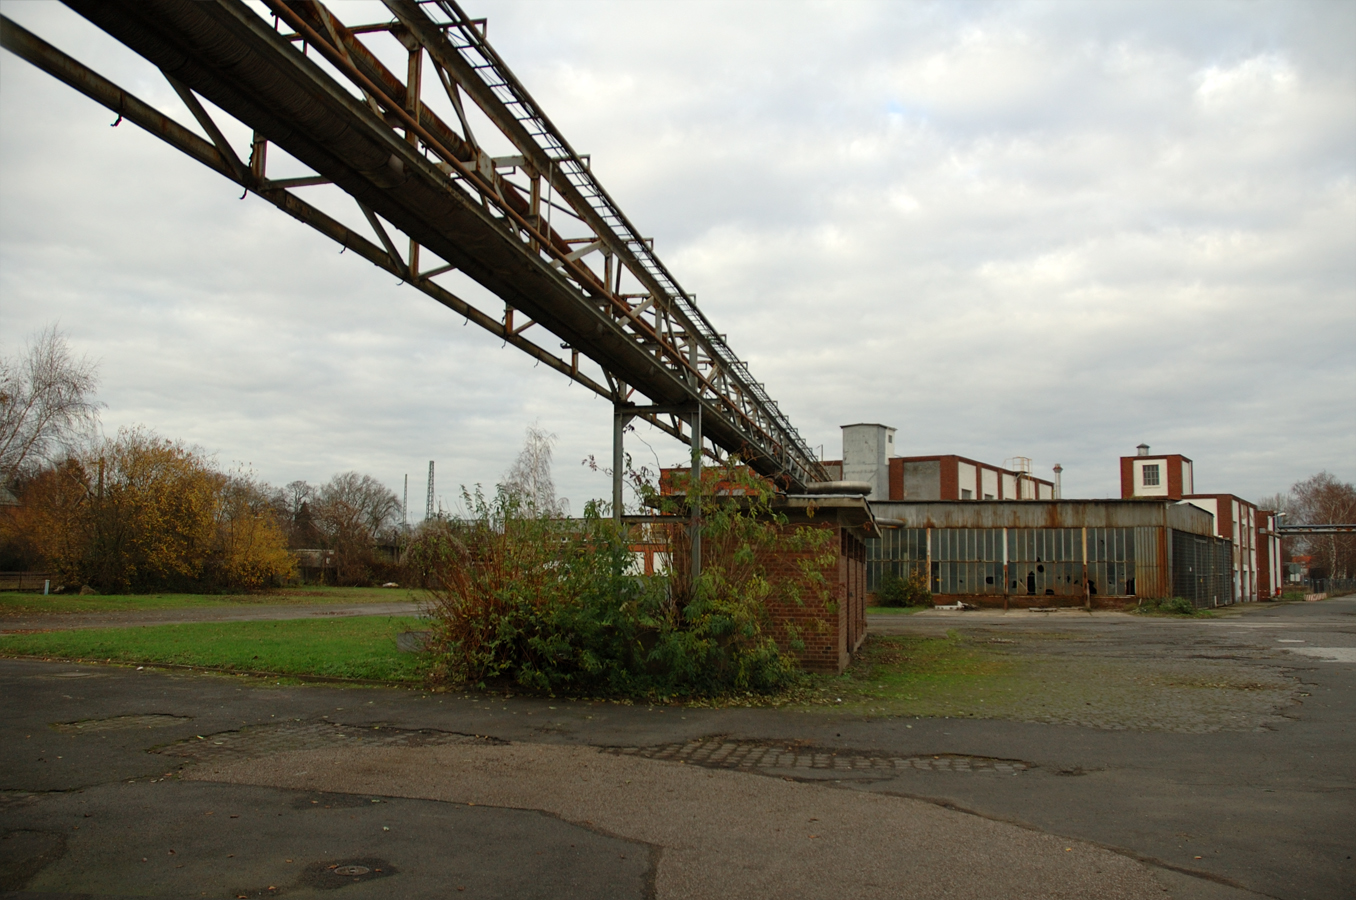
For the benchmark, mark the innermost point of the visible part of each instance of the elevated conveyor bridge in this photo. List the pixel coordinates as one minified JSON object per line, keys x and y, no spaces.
{"x":533,"y":226}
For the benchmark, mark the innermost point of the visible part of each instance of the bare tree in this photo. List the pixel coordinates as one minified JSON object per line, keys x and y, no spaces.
{"x":292,"y":507}
{"x":1323,"y":500}
{"x":351,"y":511}
{"x":530,"y":476}
{"x":1277,"y":503}
{"x":295,"y":495}
{"x":46,"y":406}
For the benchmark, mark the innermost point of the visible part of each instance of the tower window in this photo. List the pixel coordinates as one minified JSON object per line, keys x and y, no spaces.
{"x":1151,"y":475}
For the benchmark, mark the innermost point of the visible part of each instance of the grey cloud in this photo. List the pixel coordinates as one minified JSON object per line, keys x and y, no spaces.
{"x":1046,"y":229}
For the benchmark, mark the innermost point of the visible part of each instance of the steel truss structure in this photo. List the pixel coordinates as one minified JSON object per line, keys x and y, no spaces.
{"x":431,"y":193}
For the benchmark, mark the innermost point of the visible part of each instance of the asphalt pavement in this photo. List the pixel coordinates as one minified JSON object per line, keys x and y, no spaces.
{"x":124,"y":782}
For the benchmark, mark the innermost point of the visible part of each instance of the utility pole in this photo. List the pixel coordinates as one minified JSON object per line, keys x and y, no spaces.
{"x":428,"y":511}
{"x":405,"y":507}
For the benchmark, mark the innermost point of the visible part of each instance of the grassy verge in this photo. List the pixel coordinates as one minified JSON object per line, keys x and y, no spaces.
{"x":894,"y":610}
{"x":13,"y":603}
{"x":362,"y":648}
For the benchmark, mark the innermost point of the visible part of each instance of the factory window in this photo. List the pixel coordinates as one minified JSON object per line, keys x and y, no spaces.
{"x":988,"y":496}
{"x":967,"y":494}
{"x":1151,"y":476}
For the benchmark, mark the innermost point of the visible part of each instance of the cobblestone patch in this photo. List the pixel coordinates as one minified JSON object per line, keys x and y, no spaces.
{"x":720,"y":753}
{"x":264,"y":740}
{"x":120,"y":723}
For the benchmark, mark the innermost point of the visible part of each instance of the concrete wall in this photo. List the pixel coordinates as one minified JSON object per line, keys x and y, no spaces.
{"x":1157,"y":468}
{"x":988,"y":485}
{"x":867,"y":449}
{"x":918,"y":480}
{"x":967,"y":483}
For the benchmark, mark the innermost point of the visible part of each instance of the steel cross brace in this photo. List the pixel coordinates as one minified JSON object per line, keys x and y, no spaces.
{"x":688,"y":362}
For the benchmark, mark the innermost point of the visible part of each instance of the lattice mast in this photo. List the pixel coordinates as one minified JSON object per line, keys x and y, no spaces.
{"x":428,"y":508}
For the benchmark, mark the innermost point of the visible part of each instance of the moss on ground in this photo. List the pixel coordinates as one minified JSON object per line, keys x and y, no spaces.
{"x":1013,"y":678}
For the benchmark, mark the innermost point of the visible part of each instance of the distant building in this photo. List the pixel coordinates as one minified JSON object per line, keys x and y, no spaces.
{"x":1043,"y":553}
{"x":1158,"y":477}
{"x":1270,"y":568}
{"x":1252,"y":532}
{"x":868,"y":456}
{"x":997,"y":535}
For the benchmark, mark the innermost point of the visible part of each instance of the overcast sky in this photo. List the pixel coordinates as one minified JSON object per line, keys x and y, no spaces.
{"x":1035,"y":229}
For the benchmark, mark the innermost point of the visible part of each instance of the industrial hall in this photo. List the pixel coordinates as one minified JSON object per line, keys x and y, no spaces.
{"x":997,"y":536}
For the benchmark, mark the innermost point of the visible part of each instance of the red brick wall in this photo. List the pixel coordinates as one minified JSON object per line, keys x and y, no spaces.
{"x":1174,"y":465}
{"x":950,"y":489}
{"x":1173,"y":475}
{"x":897,"y":479}
{"x":830,"y":635}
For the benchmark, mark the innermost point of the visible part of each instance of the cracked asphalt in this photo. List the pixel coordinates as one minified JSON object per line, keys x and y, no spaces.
{"x":119,"y":782}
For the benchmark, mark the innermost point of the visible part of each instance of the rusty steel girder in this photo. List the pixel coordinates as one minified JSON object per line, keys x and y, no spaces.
{"x":428,"y":183}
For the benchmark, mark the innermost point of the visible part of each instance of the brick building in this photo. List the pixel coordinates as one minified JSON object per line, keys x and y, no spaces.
{"x":831,"y":627}
{"x":1270,"y":568}
{"x":832,"y":631}
{"x":1251,"y":531}
{"x":996,"y":535}
{"x":868,"y":456}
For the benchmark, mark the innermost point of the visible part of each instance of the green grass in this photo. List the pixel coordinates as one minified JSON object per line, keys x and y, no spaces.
{"x":916,"y":675}
{"x":360,"y":647}
{"x":894,"y":610}
{"x":13,"y":603}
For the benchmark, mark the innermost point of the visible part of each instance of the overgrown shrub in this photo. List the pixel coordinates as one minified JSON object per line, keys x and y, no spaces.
{"x":896,"y":591}
{"x":543,"y":602}
{"x":553,"y":604}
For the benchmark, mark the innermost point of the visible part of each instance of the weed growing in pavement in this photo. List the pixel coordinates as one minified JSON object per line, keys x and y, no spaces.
{"x":1171,"y":606}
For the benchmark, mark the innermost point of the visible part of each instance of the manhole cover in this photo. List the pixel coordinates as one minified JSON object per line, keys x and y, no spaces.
{"x":336,"y":874}
{"x":720,"y":753}
{"x":120,"y":723}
